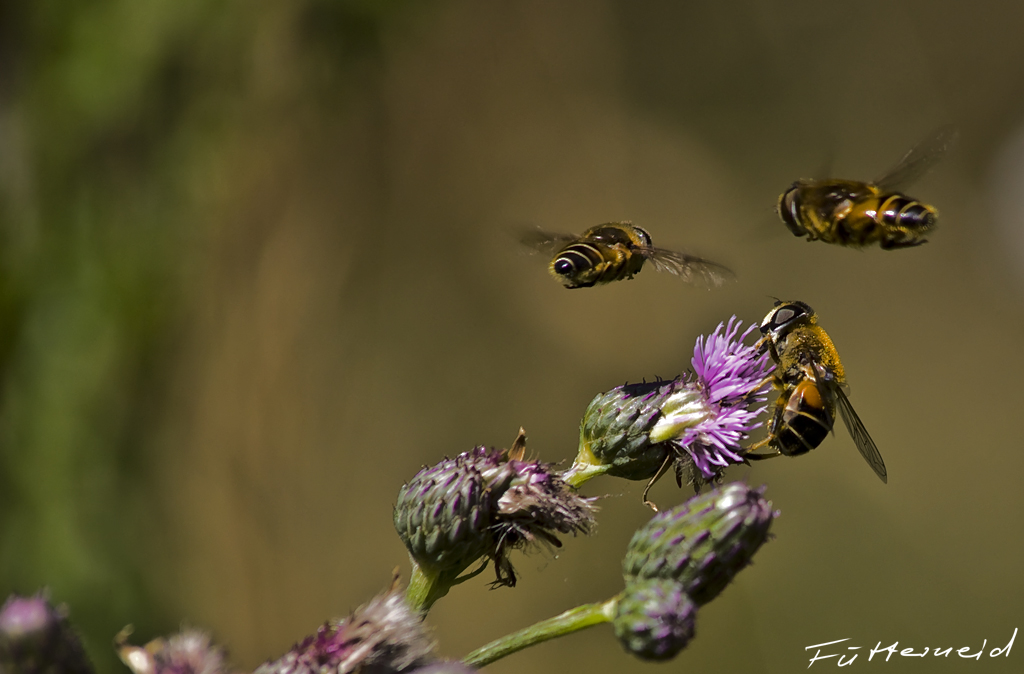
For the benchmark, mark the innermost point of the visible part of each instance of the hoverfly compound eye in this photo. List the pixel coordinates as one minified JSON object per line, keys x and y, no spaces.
{"x":645,"y":238}
{"x":783,"y":316}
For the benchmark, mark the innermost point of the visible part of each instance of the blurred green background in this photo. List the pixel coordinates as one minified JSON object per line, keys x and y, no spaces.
{"x":255,"y":270}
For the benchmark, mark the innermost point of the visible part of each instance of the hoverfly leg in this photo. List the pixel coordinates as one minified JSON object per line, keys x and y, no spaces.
{"x":657,"y":476}
{"x":754,"y":391}
{"x":749,"y":453}
{"x":761,"y":457}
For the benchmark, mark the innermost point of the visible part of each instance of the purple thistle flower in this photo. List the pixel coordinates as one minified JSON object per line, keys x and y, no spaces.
{"x":695,"y":423}
{"x":727,"y":368}
{"x":712,"y":417}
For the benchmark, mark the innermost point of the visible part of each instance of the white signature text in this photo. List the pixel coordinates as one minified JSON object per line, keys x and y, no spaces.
{"x":831,"y":649}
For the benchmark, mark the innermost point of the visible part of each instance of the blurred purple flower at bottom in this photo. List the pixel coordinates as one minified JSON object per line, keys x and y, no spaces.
{"x":383,"y":636}
{"x":36,"y":638}
{"x":188,"y":652}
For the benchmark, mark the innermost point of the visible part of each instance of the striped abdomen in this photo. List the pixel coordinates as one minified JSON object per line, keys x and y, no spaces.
{"x":586,"y":263}
{"x":802,"y":419}
{"x":894,"y":220}
{"x":851,"y":213}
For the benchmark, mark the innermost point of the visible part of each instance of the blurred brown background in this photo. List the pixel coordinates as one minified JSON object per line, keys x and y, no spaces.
{"x":255,"y":270}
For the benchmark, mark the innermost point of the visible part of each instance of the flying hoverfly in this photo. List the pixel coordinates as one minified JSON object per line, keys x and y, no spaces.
{"x":811,"y":378}
{"x":615,"y":251}
{"x":857,"y":214}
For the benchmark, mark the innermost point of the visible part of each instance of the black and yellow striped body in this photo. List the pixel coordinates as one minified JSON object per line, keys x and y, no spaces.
{"x":808,"y":367}
{"x":602,"y":254}
{"x":810,"y":377}
{"x":856,"y":214}
{"x":807,"y":371}
{"x":803,"y":418}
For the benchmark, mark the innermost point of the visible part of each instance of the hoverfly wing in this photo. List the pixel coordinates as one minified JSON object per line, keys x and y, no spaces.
{"x":689,"y":268}
{"x":919,"y":160}
{"x":549,"y":243}
{"x":865,"y":445}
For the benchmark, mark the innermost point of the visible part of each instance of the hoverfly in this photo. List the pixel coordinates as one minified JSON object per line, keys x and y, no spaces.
{"x":851,"y":213}
{"x":615,"y":251}
{"x":810,"y":377}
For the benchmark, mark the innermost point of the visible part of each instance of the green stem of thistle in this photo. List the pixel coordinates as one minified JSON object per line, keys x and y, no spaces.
{"x":571,"y":621}
{"x":425,"y":587}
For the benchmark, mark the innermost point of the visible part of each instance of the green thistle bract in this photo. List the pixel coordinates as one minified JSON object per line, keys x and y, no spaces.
{"x":655,"y":619}
{"x":485,"y":504}
{"x":702,"y":543}
{"x":617,"y":424}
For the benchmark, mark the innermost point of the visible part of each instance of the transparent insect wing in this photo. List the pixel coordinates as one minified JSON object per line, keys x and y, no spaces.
{"x":865,"y":445}
{"x":689,"y":268}
{"x":546,"y":242}
{"x":921,"y":158}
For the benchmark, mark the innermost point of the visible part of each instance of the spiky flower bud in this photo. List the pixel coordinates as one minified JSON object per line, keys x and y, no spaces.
{"x":188,"y":652}
{"x":702,"y":543}
{"x":694,"y":423}
{"x":36,"y":638}
{"x":383,"y":636}
{"x":616,"y":427}
{"x":655,"y":619}
{"x":442,"y":514}
{"x":485,"y":503}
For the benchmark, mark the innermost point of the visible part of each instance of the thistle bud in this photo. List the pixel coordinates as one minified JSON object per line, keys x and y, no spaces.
{"x":443,"y":513}
{"x":383,"y":636}
{"x":616,"y":429}
{"x":484,"y":504}
{"x":695,"y":423}
{"x":655,"y":619}
{"x":36,"y":638}
{"x":702,"y":543}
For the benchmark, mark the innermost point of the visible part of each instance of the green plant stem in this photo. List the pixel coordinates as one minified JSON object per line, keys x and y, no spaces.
{"x":571,"y":621}
{"x":424,"y":589}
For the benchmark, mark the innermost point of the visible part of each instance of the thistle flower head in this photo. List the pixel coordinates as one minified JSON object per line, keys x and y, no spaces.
{"x":654,"y":619}
{"x":188,"y":652}
{"x":36,"y":638}
{"x":484,"y":504}
{"x":383,"y":636}
{"x":697,"y":422}
{"x":702,"y":543}
{"x":725,"y":366}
